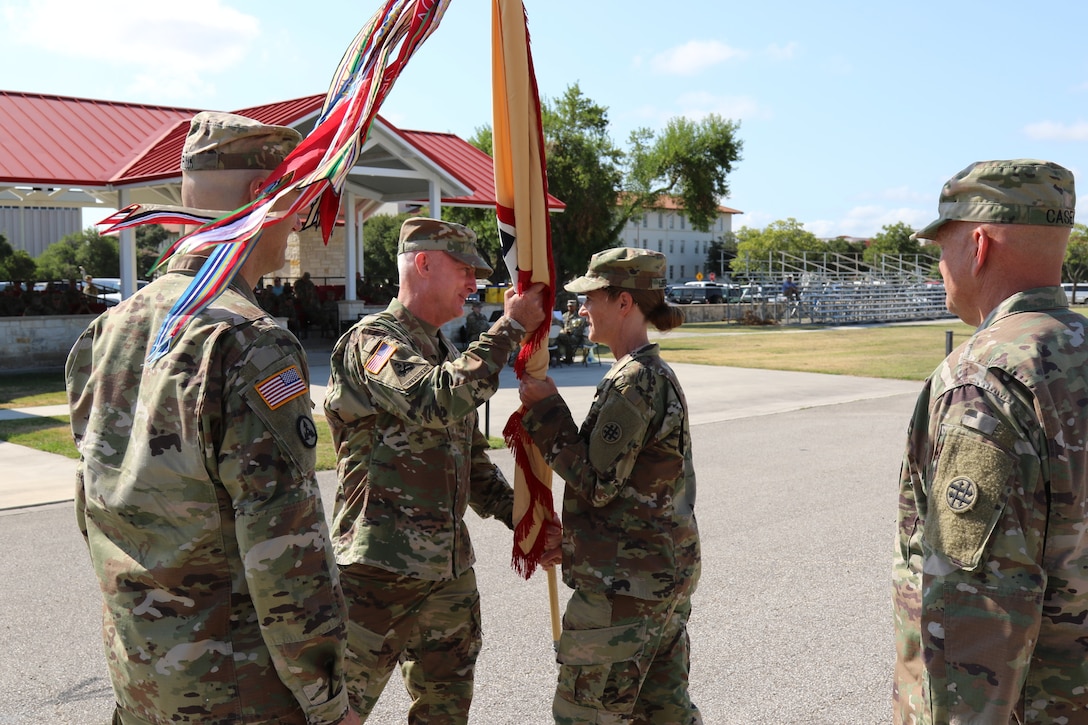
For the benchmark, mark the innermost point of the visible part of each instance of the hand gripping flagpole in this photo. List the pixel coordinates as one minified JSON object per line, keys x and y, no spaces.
{"x":521,"y":192}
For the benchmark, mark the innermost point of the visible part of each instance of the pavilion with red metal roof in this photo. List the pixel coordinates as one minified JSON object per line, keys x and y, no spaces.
{"x":61,"y":151}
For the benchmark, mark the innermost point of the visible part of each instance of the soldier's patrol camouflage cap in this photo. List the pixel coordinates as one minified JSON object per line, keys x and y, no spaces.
{"x":228,"y":141}
{"x":421,"y":234}
{"x":1018,"y":191}
{"x":622,"y":267}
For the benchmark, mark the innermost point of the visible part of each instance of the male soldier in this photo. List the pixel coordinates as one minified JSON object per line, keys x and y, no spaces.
{"x":196,"y":490}
{"x":573,"y":334}
{"x":402,"y":409}
{"x":475,"y":323}
{"x":991,"y":570}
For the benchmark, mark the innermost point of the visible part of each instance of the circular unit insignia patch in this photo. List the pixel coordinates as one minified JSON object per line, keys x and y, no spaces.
{"x":611,"y":432}
{"x":307,"y":432}
{"x":961,"y":494}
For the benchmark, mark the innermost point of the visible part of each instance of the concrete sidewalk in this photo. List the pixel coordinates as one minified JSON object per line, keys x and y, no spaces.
{"x":715,"y":394}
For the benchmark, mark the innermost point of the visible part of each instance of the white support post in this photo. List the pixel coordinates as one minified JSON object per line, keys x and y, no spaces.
{"x":350,"y":246}
{"x":127,"y":244}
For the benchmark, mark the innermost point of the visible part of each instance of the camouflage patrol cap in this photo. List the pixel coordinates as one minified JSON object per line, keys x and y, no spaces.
{"x":228,"y":141}
{"x":622,"y":267}
{"x":1020,"y":191}
{"x":420,"y":234}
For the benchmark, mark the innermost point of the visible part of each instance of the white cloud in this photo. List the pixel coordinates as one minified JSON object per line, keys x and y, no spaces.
{"x":169,"y":47}
{"x":1055,"y":131}
{"x":868,"y":220}
{"x":783,"y":52}
{"x":699,"y":104}
{"x":694,"y":57}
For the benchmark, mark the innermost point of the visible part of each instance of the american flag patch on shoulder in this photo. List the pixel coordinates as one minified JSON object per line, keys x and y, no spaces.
{"x":379,"y":358}
{"x":284,"y":386}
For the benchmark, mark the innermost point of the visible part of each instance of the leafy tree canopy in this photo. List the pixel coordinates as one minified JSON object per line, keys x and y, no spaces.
{"x":15,"y":264}
{"x":755,"y":247}
{"x":690,"y":160}
{"x":98,"y":255}
{"x":893,"y":239}
{"x":1075,"y":266}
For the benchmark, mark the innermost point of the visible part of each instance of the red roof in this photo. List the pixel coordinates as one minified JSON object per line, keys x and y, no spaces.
{"x":161,"y":160}
{"x":64,"y":141}
{"x":58,"y":140}
{"x":467,"y":163}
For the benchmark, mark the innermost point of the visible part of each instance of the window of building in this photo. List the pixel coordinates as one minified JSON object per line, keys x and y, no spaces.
{"x":659,"y":245}
{"x":683,"y":222}
{"x":671,"y":275}
{"x":645,"y":220}
{"x":672,"y":246}
{"x":660,"y":220}
{"x":672,"y":220}
{"x":681,"y":271}
{"x":681,"y":246}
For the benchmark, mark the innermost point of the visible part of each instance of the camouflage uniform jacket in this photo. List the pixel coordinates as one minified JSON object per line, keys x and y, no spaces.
{"x":197,"y":497}
{"x":991,"y":569}
{"x":628,"y":503}
{"x":402,"y":409}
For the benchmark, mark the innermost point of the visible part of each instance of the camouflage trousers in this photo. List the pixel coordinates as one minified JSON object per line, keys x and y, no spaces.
{"x":624,"y":661}
{"x":431,"y":628}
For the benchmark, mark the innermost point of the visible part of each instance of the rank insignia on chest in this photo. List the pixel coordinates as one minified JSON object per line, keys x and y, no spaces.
{"x":284,"y":386}
{"x":379,"y":358}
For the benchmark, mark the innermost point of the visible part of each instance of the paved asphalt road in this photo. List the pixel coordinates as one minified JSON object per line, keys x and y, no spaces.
{"x":791,"y":623}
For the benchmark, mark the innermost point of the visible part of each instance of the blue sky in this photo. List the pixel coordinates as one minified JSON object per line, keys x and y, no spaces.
{"x":852,"y":114}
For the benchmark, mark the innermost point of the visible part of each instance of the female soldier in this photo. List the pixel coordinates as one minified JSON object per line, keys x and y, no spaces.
{"x":630,"y":542}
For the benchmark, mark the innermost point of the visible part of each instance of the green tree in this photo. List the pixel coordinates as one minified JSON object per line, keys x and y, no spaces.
{"x":481,"y":221}
{"x":15,"y":264}
{"x":690,"y":160}
{"x":845,"y":246}
{"x":151,"y":242}
{"x":584,"y":171}
{"x":98,"y":255}
{"x":380,"y":237}
{"x":755,"y":247}
{"x":893,"y":239}
{"x":720,"y":255}
{"x":1075,"y":266}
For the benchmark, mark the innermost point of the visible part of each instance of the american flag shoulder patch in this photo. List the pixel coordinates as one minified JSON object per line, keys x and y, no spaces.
{"x":284,"y":386}
{"x":379,"y":358}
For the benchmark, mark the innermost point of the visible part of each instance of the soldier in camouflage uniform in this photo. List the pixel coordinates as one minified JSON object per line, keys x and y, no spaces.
{"x":475,"y":323}
{"x":991,"y":567}
{"x":573,"y":333}
{"x":630,"y":541}
{"x":196,"y":490}
{"x":402,"y":408}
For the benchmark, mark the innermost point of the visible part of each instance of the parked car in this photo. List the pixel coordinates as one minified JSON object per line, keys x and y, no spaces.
{"x":684,"y":295}
{"x":109,"y":289}
{"x":715,"y":292}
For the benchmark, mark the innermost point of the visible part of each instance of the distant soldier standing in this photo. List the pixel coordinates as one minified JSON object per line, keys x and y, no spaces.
{"x":630,"y":541}
{"x":196,"y":488}
{"x":573,"y":333}
{"x":991,"y":568}
{"x":475,"y":323}
{"x":402,"y":408}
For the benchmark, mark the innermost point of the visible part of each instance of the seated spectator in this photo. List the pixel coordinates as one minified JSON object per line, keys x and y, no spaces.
{"x":573,"y":334}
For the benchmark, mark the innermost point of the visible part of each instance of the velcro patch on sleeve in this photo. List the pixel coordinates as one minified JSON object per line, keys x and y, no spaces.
{"x":284,"y":386}
{"x":968,"y":496}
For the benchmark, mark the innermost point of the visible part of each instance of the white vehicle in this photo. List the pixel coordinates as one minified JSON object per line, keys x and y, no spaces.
{"x":1081,"y":295}
{"x":109,"y":289}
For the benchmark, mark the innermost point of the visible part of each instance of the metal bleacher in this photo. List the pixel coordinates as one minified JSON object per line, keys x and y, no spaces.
{"x":842,"y":289}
